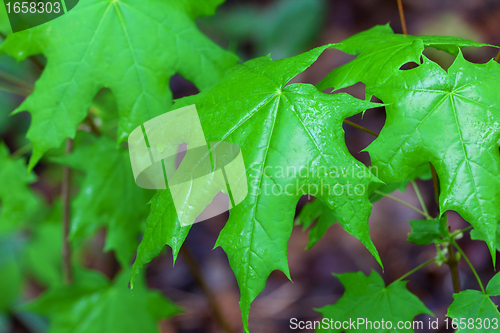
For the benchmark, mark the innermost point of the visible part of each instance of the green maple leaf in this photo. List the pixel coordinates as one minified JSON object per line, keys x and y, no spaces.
{"x":93,"y":304}
{"x":319,"y":212}
{"x":276,"y":126}
{"x":11,"y":282}
{"x":11,"y":275}
{"x":475,"y":235}
{"x":283,"y":28}
{"x":42,"y":256}
{"x":367,"y":297}
{"x":381,"y":53}
{"x":4,"y":21}
{"x":324,"y":217}
{"x":478,"y":306}
{"x":108,"y":196}
{"x":18,"y":203}
{"x":133,"y":48}
{"x":424,"y":232}
{"x":450,"y":119}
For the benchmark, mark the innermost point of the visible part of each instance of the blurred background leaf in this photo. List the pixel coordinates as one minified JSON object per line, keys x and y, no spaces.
{"x":283,"y":29}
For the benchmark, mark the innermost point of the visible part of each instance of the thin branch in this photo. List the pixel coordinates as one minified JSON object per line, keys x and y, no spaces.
{"x":350,"y":123}
{"x":14,"y":85}
{"x":65,"y":195}
{"x":14,"y":89}
{"x":23,"y":150}
{"x":497,"y":57}
{"x":462,"y":253}
{"x":404,"y":203}
{"x":416,"y":269}
{"x":19,"y":321}
{"x":93,"y":127}
{"x":37,"y":63}
{"x":402,"y":17}
{"x":419,"y":196}
{"x":200,"y":280}
{"x":12,"y":79}
{"x":453,"y":264}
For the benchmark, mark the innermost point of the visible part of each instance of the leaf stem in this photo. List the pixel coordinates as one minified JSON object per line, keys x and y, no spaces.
{"x":200,"y":280}
{"x":497,"y":57}
{"x":416,"y":269}
{"x":65,"y":195}
{"x":435,"y":183}
{"x":405,"y":203}
{"x":458,"y":232}
{"x":462,"y":253}
{"x":419,"y":196}
{"x":364,"y":129}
